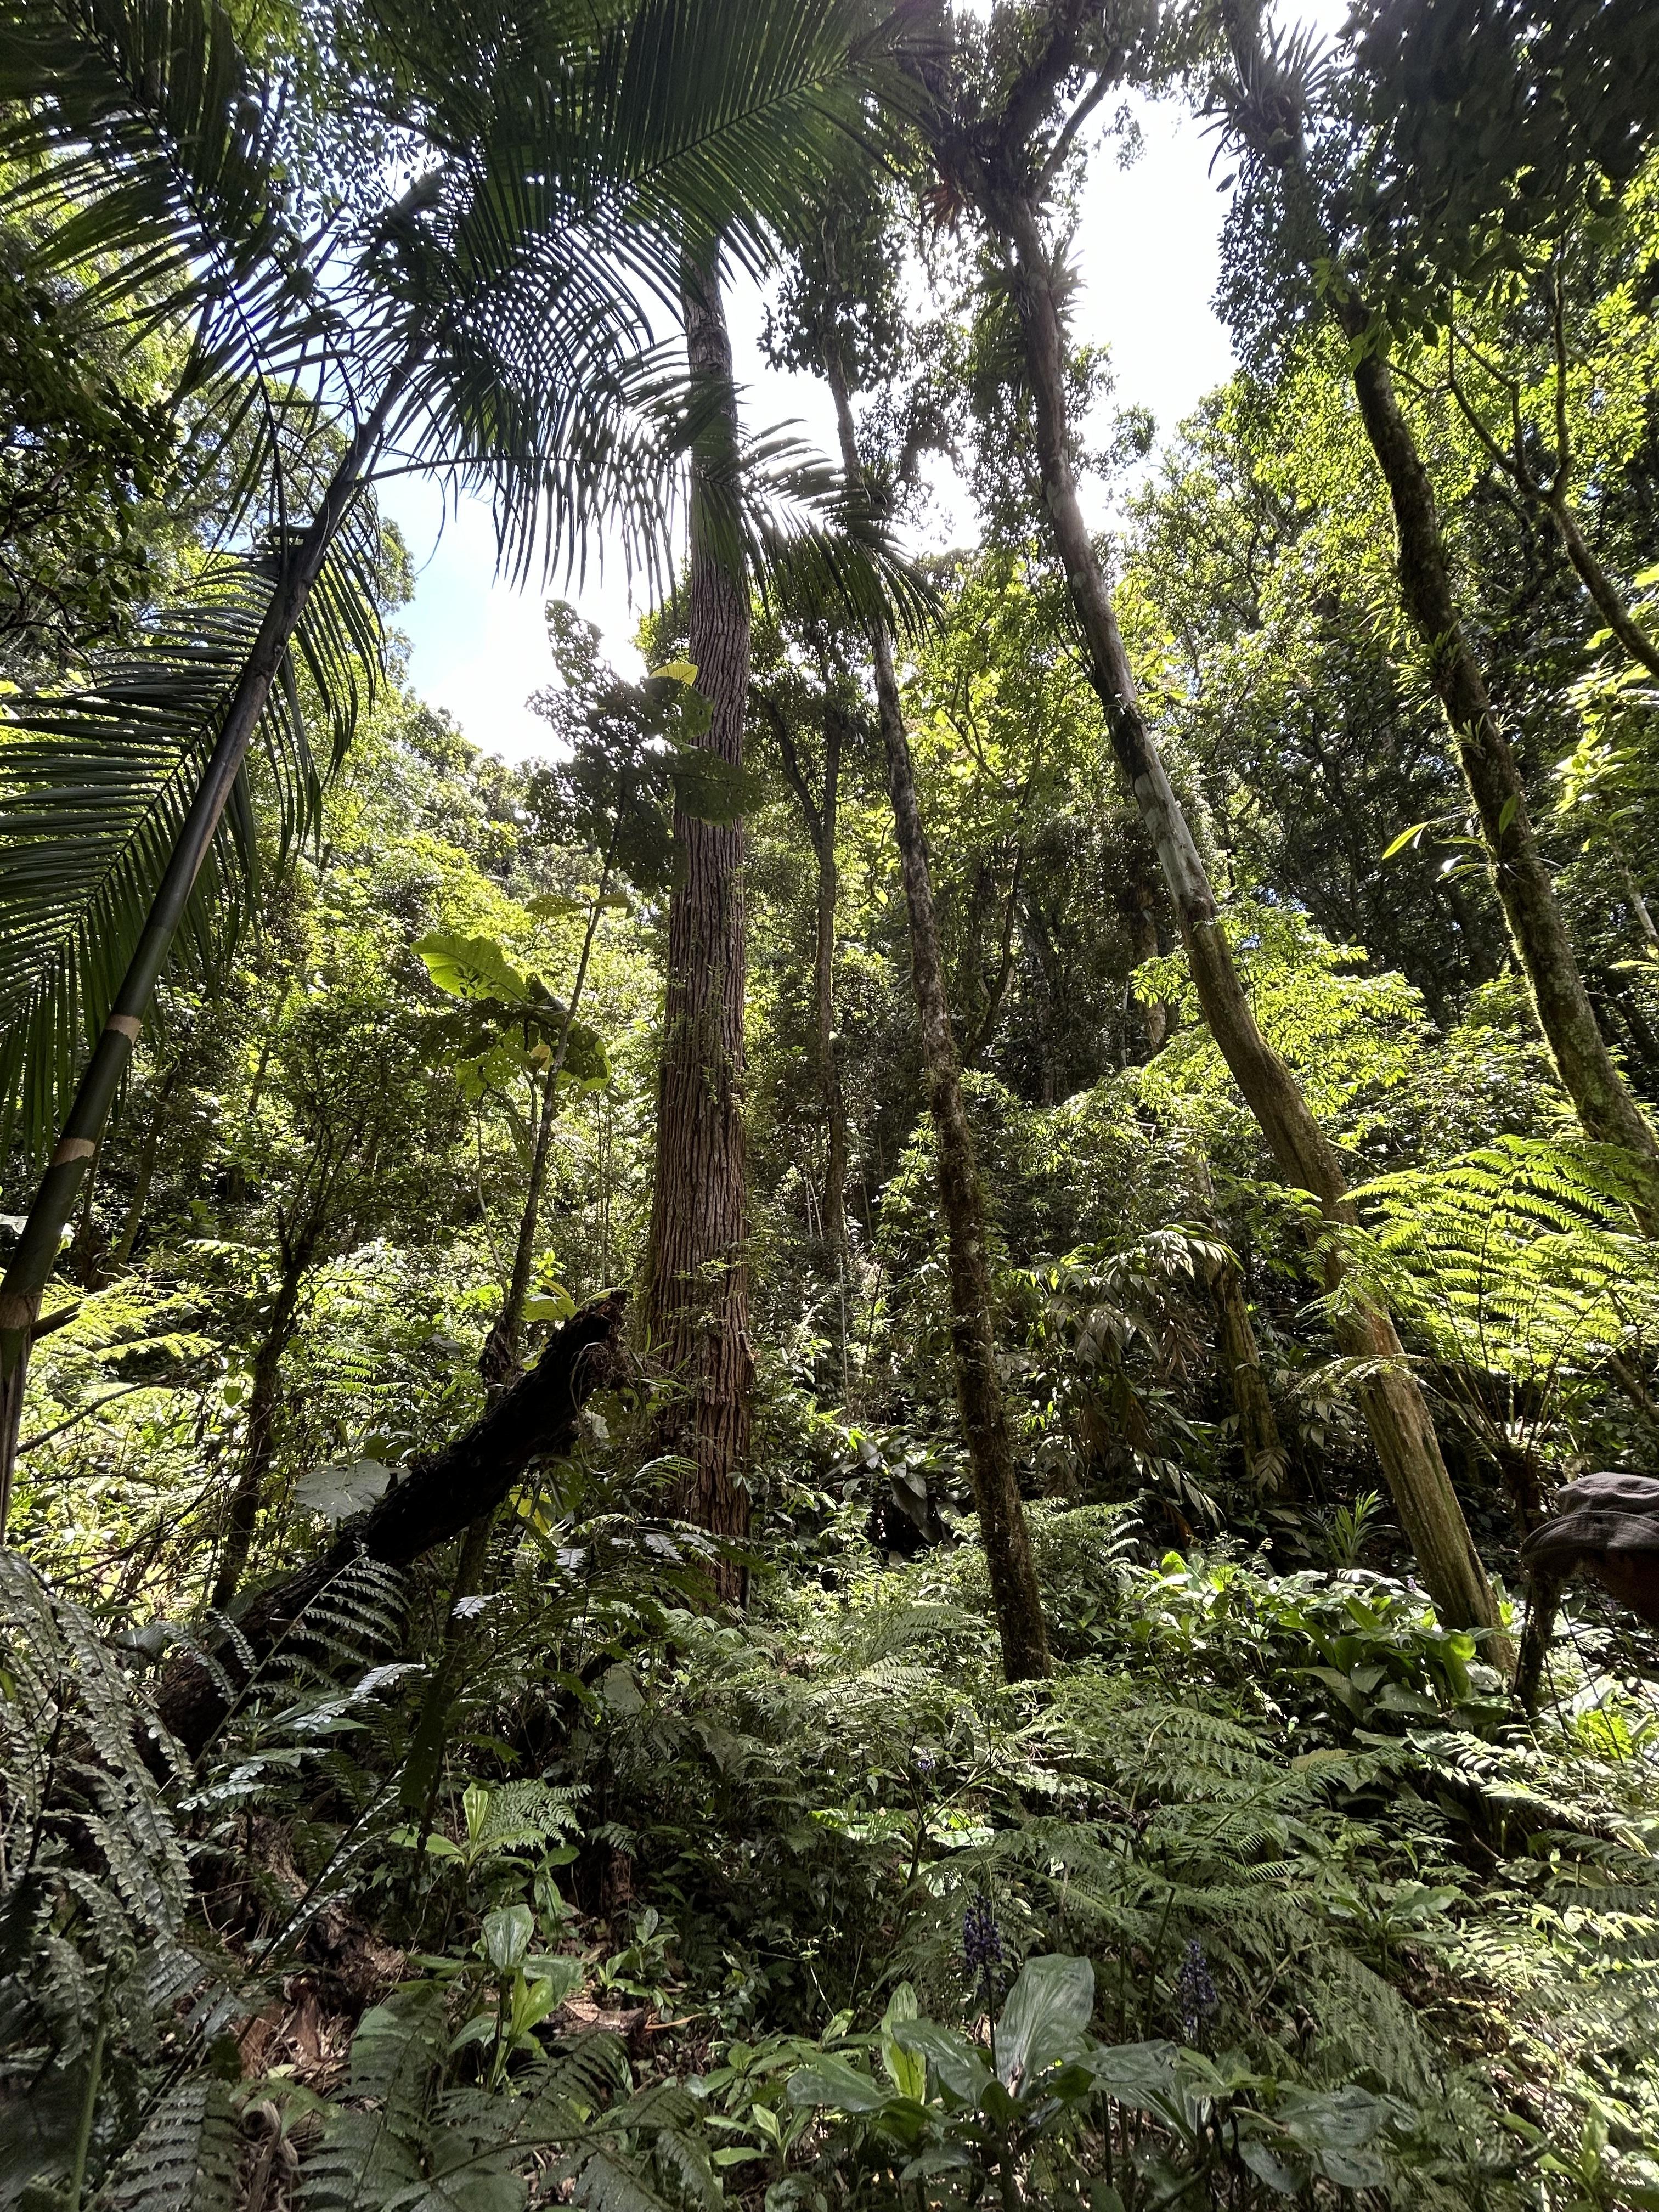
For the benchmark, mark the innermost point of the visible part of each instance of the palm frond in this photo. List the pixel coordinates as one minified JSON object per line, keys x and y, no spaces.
{"x":96,"y":783}
{"x":142,"y":152}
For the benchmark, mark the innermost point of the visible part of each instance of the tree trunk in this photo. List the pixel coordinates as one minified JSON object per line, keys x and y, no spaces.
{"x":824,"y":986}
{"x":437,"y":1496}
{"x":1537,"y":927}
{"x":259,"y":1445}
{"x":147,"y":1153}
{"x":820,"y":816}
{"x":697,"y":1290}
{"x":1013,"y":1572}
{"x":1604,"y":593}
{"x":32,"y":1263}
{"x":1392,"y":1402}
{"x":1265,"y":1462}
{"x":498,"y":1362}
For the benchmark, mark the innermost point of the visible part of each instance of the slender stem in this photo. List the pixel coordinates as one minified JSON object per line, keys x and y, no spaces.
{"x":501,"y":1351}
{"x":89,"y":2111}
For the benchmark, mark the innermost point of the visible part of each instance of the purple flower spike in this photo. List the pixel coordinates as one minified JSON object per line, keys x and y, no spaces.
{"x":1195,"y":1991}
{"x":981,"y":1939}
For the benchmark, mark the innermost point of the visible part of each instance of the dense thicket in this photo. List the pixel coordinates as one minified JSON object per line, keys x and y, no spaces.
{"x":791,"y":1457}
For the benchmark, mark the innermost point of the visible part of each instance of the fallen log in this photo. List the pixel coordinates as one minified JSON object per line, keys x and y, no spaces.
{"x":439,"y":1494}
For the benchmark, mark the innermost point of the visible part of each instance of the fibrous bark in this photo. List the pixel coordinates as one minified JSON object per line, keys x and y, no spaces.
{"x":697,"y":1292}
{"x":1014,"y":1594}
{"x":436,"y":1497}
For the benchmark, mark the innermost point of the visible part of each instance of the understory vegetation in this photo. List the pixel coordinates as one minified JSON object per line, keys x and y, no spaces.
{"x":801,"y":1458}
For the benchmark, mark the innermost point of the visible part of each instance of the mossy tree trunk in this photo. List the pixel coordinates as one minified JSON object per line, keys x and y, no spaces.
{"x":1014,"y":1594}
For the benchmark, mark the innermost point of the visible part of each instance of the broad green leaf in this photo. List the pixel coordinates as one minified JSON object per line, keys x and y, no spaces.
{"x":907,"y":2069}
{"x":1044,"y":2017}
{"x":506,"y":1937}
{"x":1139,"y":2074}
{"x":469,"y":967}
{"x":337,"y":1493}
{"x":830,"y":2081}
{"x":960,"y":2065}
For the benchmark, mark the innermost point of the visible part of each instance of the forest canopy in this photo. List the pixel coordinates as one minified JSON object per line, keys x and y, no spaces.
{"x":890,"y":1435}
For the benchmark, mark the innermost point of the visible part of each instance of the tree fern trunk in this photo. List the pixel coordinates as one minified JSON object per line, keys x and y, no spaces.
{"x":1395,"y":1411}
{"x":697,"y":1292}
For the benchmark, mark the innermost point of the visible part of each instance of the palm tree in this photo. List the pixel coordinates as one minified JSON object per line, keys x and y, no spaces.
{"x":492,"y":322}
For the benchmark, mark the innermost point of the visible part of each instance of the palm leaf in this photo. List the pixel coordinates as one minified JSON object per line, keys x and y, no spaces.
{"x":96,"y":783}
{"x":142,"y":154}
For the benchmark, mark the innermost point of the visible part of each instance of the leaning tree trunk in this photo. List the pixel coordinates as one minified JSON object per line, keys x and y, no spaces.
{"x":32,"y":1263}
{"x":1537,"y":926}
{"x":436,"y":1497}
{"x":1013,"y":1572}
{"x":1392,"y":1402}
{"x":697,"y":1287}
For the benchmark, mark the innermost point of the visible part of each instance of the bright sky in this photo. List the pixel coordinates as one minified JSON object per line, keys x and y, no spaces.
{"x":1147,"y":248}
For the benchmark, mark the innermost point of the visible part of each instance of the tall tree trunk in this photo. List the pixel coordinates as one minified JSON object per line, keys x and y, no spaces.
{"x":1392,"y":1402}
{"x":824,"y":988}
{"x":697,"y":1290}
{"x":1537,"y":927}
{"x":1013,"y":1572}
{"x":259,"y":1445}
{"x":32,"y":1263}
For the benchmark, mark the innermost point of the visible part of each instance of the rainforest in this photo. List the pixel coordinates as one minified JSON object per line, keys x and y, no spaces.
{"x":880,"y":1434}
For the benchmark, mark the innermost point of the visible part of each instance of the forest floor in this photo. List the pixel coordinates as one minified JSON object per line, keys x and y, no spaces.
{"x":1300,"y":1906}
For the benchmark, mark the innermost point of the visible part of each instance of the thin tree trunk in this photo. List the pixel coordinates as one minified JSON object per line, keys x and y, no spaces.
{"x":147,"y":1153}
{"x":820,"y":816}
{"x":32,"y":1262}
{"x":1537,"y":927}
{"x":1014,"y":1594}
{"x":259,"y":1445}
{"x":1392,"y":1402}
{"x":1609,"y":604}
{"x":824,"y":986}
{"x":499,"y":1360}
{"x":697,"y":1287}
{"x":1265,"y":1462}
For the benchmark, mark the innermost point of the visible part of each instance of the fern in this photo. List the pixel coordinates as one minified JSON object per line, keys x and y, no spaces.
{"x":186,"y":2159}
{"x":1521,"y":1262}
